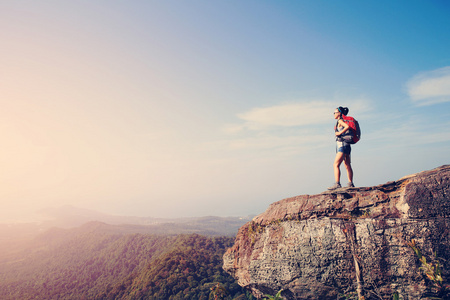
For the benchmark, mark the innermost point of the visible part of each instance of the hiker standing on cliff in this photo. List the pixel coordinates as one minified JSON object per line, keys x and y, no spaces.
{"x":343,"y":149}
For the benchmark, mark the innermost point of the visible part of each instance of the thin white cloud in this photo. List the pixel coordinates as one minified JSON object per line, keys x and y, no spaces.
{"x":431,"y":87}
{"x":413,"y":131}
{"x":304,"y":113}
{"x":286,"y":115}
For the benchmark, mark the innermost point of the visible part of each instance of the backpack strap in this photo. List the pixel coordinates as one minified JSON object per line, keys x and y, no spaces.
{"x":338,"y":138}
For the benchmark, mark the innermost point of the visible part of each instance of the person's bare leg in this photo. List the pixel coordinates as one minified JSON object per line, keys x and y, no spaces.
{"x":348,"y":166}
{"x":337,"y":163}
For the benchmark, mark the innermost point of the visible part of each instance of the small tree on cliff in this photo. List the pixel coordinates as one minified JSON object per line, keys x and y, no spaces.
{"x":432,"y":271}
{"x":276,"y":297}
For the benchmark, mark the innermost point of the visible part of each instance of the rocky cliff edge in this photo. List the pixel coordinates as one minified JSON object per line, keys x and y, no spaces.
{"x":347,"y":242}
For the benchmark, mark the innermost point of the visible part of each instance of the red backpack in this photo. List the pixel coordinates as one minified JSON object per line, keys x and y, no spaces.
{"x":355,"y":131}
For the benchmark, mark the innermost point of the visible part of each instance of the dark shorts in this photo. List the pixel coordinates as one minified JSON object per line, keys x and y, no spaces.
{"x":345,"y":149}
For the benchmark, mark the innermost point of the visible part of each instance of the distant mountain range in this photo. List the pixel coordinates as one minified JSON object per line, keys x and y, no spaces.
{"x":69,"y":216}
{"x":14,"y":237}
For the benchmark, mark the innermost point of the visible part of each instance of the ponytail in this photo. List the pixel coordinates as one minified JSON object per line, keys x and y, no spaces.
{"x":343,"y":110}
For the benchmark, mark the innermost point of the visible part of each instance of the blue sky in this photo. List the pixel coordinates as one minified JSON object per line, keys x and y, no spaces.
{"x":193,"y":108}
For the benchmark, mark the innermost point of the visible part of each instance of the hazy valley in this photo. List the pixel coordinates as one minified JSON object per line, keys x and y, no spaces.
{"x":109,"y":257}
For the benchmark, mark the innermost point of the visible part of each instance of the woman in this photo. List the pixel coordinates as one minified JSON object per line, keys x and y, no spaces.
{"x":343,"y":149}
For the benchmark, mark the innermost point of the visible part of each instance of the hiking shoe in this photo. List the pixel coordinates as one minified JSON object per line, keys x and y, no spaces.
{"x":337,"y":185}
{"x":350,"y":184}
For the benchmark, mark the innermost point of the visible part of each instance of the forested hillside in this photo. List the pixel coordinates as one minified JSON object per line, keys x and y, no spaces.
{"x":93,"y":263}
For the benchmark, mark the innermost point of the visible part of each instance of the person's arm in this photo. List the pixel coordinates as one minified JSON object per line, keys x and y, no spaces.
{"x":346,"y":127}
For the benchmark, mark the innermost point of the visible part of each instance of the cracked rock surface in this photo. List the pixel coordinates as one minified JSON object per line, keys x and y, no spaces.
{"x":346,"y":241}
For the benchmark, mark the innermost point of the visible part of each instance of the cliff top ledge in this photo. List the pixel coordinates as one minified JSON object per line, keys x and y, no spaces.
{"x":412,"y":196}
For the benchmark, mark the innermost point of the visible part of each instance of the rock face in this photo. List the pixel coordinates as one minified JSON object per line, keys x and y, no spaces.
{"x":347,"y":242}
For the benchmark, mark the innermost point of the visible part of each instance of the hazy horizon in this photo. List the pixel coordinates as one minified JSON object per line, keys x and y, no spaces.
{"x":197,"y":108}
{"x":59,"y":213}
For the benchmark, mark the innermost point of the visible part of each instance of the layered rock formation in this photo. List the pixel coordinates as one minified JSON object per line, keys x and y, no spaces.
{"x":347,"y":242}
